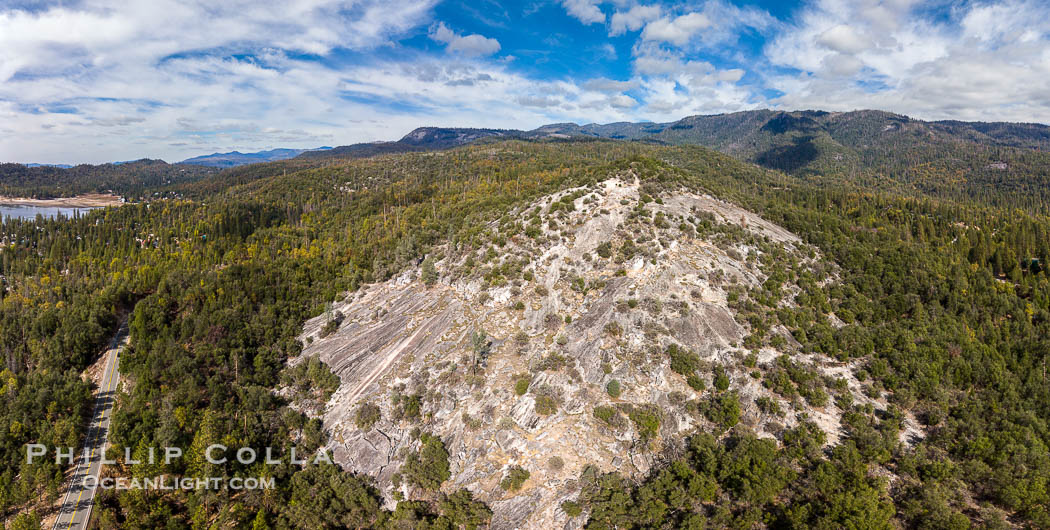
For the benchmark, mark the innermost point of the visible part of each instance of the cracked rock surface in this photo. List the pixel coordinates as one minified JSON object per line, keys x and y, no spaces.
{"x":575,"y":291}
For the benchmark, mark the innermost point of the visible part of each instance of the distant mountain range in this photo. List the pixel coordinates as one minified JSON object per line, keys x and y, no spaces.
{"x":864,"y":143}
{"x":421,"y":139}
{"x":1006,"y":162}
{"x":817,"y":141}
{"x":798,"y":142}
{"x":237,"y":158}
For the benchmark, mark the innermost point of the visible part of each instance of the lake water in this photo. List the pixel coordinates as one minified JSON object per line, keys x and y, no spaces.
{"x":30,"y":212}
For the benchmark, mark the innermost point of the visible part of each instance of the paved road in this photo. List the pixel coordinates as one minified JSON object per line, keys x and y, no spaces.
{"x":75,"y":511}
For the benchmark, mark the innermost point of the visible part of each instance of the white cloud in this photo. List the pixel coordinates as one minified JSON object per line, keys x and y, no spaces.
{"x":844,"y":39}
{"x":585,"y":11}
{"x":673,"y":85}
{"x":841,"y":65}
{"x":633,"y":19}
{"x":677,"y":31}
{"x":731,"y":75}
{"x":622,"y":101}
{"x":617,"y":103}
{"x":992,"y":23}
{"x":110,"y":79}
{"x":985,"y":62}
{"x":538,"y":101}
{"x":199,"y":82}
{"x":602,"y":84}
{"x":653,"y":60}
{"x":472,"y":45}
{"x":105,"y":32}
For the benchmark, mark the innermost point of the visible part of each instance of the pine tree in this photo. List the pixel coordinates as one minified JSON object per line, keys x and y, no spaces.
{"x":260,"y":522}
{"x":429,"y":274}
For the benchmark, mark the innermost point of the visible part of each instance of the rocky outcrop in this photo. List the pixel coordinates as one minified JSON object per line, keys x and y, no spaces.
{"x":577,"y":291}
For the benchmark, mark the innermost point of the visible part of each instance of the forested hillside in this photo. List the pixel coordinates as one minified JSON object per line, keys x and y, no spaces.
{"x":942,"y":304}
{"x":995,"y":163}
{"x":130,"y":179}
{"x":1001,"y":163}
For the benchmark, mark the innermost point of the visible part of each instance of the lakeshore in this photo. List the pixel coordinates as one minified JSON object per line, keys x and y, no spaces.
{"x":88,"y":200}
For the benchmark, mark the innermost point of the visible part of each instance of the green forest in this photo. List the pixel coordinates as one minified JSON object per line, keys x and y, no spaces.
{"x":138,"y":179}
{"x":943,"y":290}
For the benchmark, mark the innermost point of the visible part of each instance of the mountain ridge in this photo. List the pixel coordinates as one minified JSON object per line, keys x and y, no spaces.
{"x":1003,"y":162}
{"x":792,"y":141}
{"x":785,"y":140}
{"x":237,"y":158}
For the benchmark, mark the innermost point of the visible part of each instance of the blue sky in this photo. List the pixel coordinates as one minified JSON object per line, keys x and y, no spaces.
{"x":103,"y":80}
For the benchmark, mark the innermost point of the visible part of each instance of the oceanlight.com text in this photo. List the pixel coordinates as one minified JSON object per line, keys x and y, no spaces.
{"x":169,"y":483}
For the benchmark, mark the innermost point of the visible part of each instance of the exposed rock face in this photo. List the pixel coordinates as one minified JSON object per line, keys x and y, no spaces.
{"x":442,"y":137}
{"x":570,"y":308}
